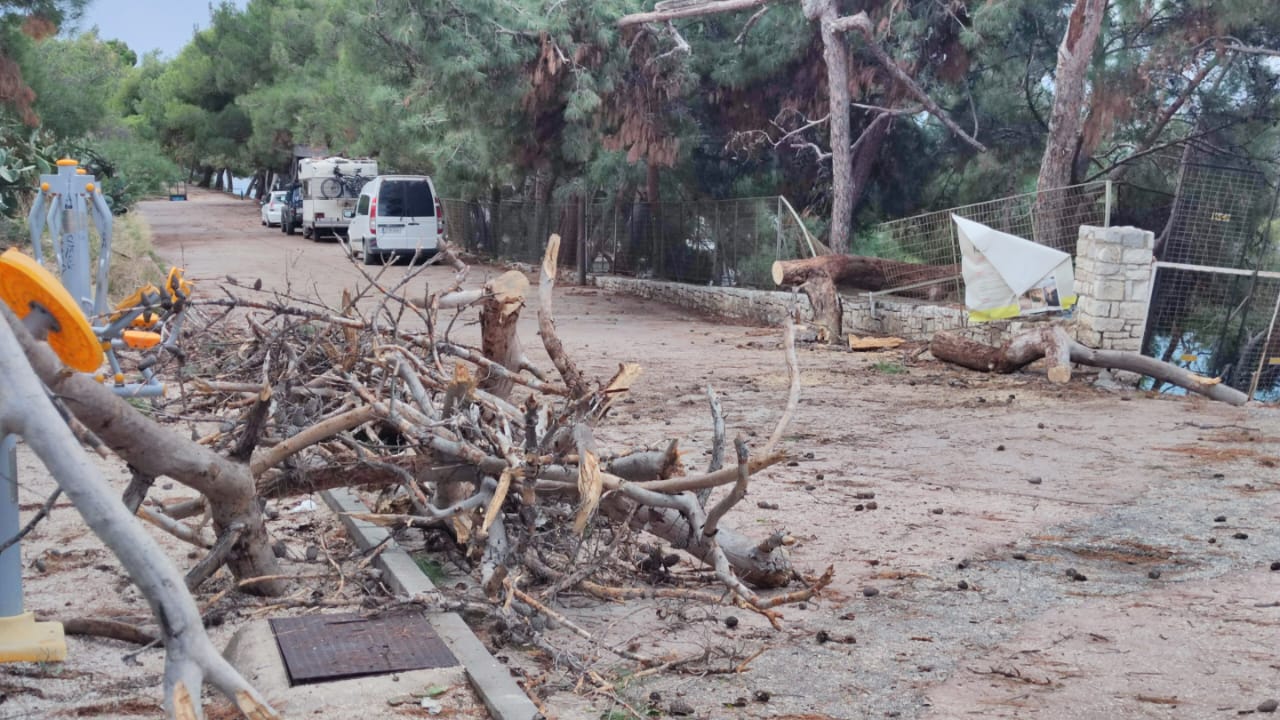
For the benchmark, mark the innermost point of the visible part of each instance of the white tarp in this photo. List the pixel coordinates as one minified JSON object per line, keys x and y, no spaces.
{"x":1006,"y":276}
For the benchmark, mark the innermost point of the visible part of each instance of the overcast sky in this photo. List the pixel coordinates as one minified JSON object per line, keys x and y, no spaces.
{"x":146,"y":25}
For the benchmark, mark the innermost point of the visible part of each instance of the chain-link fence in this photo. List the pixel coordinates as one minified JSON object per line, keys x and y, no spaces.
{"x":1052,"y":218}
{"x":1217,"y":323}
{"x":1215,"y":217}
{"x":1214,"y":298}
{"x":730,"y":243}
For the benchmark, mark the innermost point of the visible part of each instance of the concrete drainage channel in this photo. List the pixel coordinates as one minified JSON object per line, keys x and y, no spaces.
{"x":491,"y":680}
{"x":340,"y":665}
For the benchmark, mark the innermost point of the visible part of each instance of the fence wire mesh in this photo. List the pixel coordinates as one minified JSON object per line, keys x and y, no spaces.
{"x":1215,"y":217}
{"x":730,"y":243}
{"x":1052,"y":218}
{"x":1216,"y":323}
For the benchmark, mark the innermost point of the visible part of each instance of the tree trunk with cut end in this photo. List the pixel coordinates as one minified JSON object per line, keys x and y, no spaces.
{"x":828,"y":311}
{"x":503,"y":298}
{"x":1010,"y":357}
{"x":1054,"y":343}
{"x":865,"y":273}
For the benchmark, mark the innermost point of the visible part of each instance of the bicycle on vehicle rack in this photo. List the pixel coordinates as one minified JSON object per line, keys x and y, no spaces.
{"x":340,"y":185}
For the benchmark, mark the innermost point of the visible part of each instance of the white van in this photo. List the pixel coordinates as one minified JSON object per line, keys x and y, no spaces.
{"x":396,"y":215}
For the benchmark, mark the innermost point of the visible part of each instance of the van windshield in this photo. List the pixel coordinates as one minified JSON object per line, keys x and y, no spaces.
{"x":406,"y":198}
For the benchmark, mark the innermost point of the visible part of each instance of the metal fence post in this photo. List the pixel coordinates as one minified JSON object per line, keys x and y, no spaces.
{"x":582,"y":241}
{"x":1266,"y":344}
{"x":11,"y":559}
{"x":1106,"y":218}
{"x":777,"y":251}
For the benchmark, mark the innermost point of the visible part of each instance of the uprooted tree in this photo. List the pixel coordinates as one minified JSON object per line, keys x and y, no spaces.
{"x":475,"y":443}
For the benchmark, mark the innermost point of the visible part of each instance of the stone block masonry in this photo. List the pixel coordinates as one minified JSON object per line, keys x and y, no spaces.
{"x":909,"y":319}
{"x":1113,"y":283}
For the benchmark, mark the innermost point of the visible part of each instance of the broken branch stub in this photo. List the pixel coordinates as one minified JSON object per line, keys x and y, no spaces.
{"x":1060,"y":350}
{"x":468,"y":440}
{"x":190,"y":657}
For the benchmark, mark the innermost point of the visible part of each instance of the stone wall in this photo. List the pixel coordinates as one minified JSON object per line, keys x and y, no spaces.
{"x":913,"y":320}
{"x":1113,"y":283}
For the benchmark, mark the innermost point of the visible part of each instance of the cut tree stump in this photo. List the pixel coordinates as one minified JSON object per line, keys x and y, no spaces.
{"x":1060,"y":350}
{"x":819,"y":276}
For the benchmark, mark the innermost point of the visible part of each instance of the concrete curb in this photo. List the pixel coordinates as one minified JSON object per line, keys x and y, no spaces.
{"x":491,"y":680}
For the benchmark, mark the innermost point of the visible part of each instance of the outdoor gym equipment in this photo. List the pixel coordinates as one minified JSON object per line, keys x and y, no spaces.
{"x":73,"y":317}
{"x":50,"y":313}
{"x":150,"y":320}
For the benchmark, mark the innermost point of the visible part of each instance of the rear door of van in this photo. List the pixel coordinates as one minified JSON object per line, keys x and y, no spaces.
{"x":406,"y":217}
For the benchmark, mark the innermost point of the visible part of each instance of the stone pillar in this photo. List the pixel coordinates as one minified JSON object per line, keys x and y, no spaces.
{"x":1113,"y":286}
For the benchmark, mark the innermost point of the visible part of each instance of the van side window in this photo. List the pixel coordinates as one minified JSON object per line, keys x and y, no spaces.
{"x":362,"y":208}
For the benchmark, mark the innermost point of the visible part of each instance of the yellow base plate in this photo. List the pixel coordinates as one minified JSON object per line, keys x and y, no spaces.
{"x":22,"y":639}
{"x":23,"y":282}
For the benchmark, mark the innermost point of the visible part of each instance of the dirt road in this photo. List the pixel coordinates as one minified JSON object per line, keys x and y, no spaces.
{"x":951,"y":504}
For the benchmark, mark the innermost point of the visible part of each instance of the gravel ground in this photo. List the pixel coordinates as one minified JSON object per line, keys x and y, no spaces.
{"x":952,"y":597}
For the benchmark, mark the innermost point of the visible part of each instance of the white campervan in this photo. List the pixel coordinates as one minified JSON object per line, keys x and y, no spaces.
{"x":329,"y":189}
{"x":396,"y":215}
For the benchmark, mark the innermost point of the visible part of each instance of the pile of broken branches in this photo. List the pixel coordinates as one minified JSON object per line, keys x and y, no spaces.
{"x":285,"y":396}
{"x":473,"y":442}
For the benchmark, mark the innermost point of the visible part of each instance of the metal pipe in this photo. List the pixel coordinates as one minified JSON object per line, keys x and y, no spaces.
{"x":1106,"y":219}
{"x":10,"y":559}
{"x":35,"y":223}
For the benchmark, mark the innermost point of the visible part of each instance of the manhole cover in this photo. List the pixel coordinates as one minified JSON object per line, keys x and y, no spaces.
{"x":332,"y":647}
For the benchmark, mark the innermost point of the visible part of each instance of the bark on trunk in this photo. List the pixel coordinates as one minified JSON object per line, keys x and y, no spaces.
{"x":504,"y":296}
{"x":865,"y":273}
{"x":570,"y":215}
{"x":1061,"y":350}
{"x":156,"y":451}
{"x":828,"y":311}
{"x":190,"y":657}
{"x":836,"y":56}
{"x":1068,"y":97}
{"x":864,"y":160}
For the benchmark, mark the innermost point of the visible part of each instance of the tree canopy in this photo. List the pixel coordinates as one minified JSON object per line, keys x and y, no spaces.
{"x":555,"y":98}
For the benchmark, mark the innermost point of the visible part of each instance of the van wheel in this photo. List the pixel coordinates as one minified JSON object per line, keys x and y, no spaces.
{"x":371,"y":258}
{"x":290,"y":229}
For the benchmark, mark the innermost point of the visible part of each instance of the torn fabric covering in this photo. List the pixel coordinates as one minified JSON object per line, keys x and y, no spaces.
{"x":1006,"y":276}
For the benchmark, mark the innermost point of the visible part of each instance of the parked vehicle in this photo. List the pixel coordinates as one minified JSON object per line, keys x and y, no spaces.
{"x":291,"y":210}
{"x":271,"y":208}
{"x":396,"y":215}
{"x":329,"y":189}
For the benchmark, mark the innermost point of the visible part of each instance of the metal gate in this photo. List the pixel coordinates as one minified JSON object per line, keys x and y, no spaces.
{"x":1213,"y":309}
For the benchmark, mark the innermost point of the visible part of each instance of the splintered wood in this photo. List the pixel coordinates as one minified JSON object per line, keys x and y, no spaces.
{"x":474,"y":443}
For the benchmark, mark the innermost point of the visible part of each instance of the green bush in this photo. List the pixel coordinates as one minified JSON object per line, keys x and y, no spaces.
{"x":129,"y":170}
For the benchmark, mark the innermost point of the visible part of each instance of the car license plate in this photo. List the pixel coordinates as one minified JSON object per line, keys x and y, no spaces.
{"x":391,"y":229}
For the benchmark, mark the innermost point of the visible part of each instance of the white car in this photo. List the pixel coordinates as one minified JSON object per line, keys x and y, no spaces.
{"x":396,"y":216}
{"x":272,"y":206}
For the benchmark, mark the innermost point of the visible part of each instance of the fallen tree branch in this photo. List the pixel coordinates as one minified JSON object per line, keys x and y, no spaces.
{"x":1062,"y":350}
{"x":110,"y":629}
{"x":190,"y":658}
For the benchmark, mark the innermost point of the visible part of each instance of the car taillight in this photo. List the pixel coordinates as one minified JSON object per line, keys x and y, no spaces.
{"x":439,"y":218}
{"x":319,"y":216}
{"x":373,"y":216}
